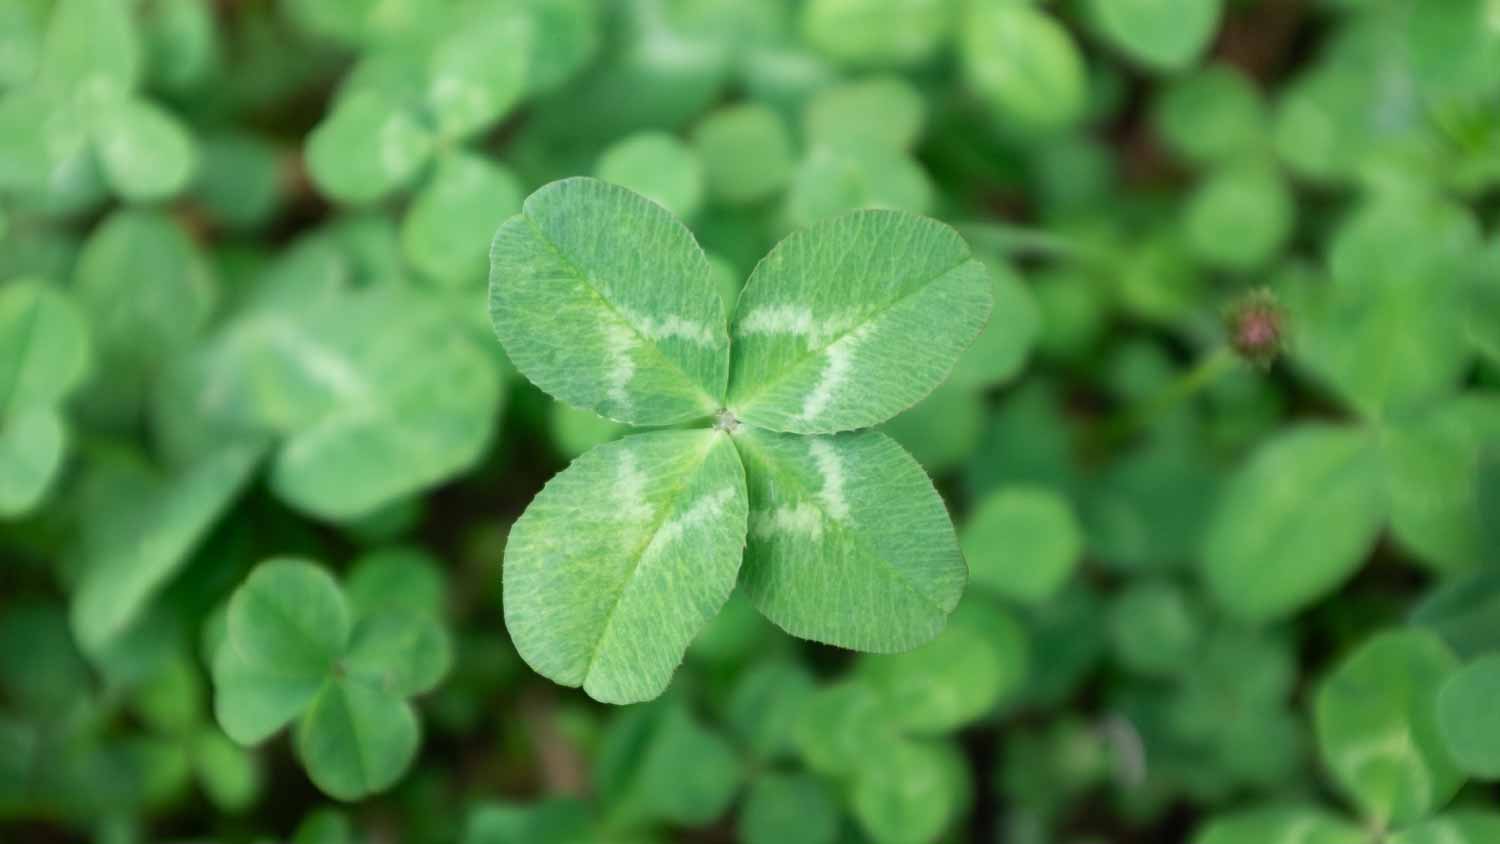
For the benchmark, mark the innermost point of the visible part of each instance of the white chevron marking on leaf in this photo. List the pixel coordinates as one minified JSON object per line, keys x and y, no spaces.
{"x":670,"y":327}
{"x":803,"y":520}
{"x":620,"y":342}
{"x":630,"y":491}
{"x":832,"y":469}
{"x":702,"y":511}
{"x":840,"y":360}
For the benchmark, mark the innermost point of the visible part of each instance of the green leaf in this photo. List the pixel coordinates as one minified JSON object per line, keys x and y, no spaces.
{"x":355,"y":739}
{"x":401,"y":654}
{"x":1454,"y":48}
{"x":605,"y":301}
{"x":287,"y":625}
{"x":230,"y":775}
{"x":838,"y":726}
{"x":477,"y":74}
{"x":849,"y":543}
{"x":1154,"y":629}
{"x":324,"y":826}
{"x":147,"y":291}
{"x":447,"y":228}
{"x":1469,"y":719}
{"x":1003,"y":346}
{"x":554,"y":821}
{"x":32,"y":445}
{"x":401,"y":409}
{"x":746,"y":152}
{"x":1377,"y":725}
{"x":147,"y":154}
{"x":837,"y":328}
{"x":638,"y":772}
{"x":907,"y":792}
{"x":837,"y":179}
{"x":623,"y":558}
{"x":1388,"y":335}
{"x":91,"y":47}
{"x":45,"y":344}
{"x":1465,"y":611}
{"x":366,"y":148}
{"x":881,"y":111}
{"x":1458,"y":827}
{"x":1023,"y":64}
{"x":405,"y":579}
{"x":1240,"y":217}
{"x":1294,"y":522}
{"x":658,"y":166}
{"x":291,"y":617}
{"x":1281,"y":825}
{"x":1432,"y":466}
{"x":941,"y":430}
{"x":149,"y":541}
{"x":882,"y":33}
{"x":766,"y":702}
{"x":948,"y":683}
{"x":1214,"y":115}
{"x":788,"y":809}
{"x":1022,"y":543}
{"x":1161,"y":34}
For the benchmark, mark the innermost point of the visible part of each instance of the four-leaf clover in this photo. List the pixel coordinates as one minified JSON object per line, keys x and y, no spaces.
{"x":605,"y":301}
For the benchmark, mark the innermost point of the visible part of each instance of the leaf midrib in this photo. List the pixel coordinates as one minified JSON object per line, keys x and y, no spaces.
{"x":712,"y":404}
{"x":640,"y":552}
{"x":742,"y":403}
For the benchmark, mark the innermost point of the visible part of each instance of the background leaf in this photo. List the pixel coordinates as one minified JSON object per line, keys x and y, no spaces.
{"x":1383,"y":747}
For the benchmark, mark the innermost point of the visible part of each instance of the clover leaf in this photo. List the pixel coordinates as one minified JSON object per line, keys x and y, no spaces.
{"x":402,"y":119}
{"x":1384,"y":748}
{"x":44,"y":341}
{"x":605,"y":301}
{"x":86,"y":93}
{"x":296,"y":649}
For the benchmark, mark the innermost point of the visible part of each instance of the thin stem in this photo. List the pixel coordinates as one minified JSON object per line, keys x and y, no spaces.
{"x":1204,"y":374}
{"x":1024,"y":240}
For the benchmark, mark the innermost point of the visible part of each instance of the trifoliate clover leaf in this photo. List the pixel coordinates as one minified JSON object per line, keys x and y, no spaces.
{"x":364,"y":421}
{"x":1385,"y":749}
{"x":295,"y":649}
{"x":606,"y":301}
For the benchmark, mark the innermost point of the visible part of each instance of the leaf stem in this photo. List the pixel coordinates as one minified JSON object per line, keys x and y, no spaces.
{"x":1204,"y":374}
{"x":1015,"y":240}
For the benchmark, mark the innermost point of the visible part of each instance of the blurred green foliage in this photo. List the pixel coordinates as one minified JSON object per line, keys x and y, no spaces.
{"x":260,"y":452}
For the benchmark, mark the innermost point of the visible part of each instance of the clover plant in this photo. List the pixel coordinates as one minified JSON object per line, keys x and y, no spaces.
{"x":605,"y":300}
